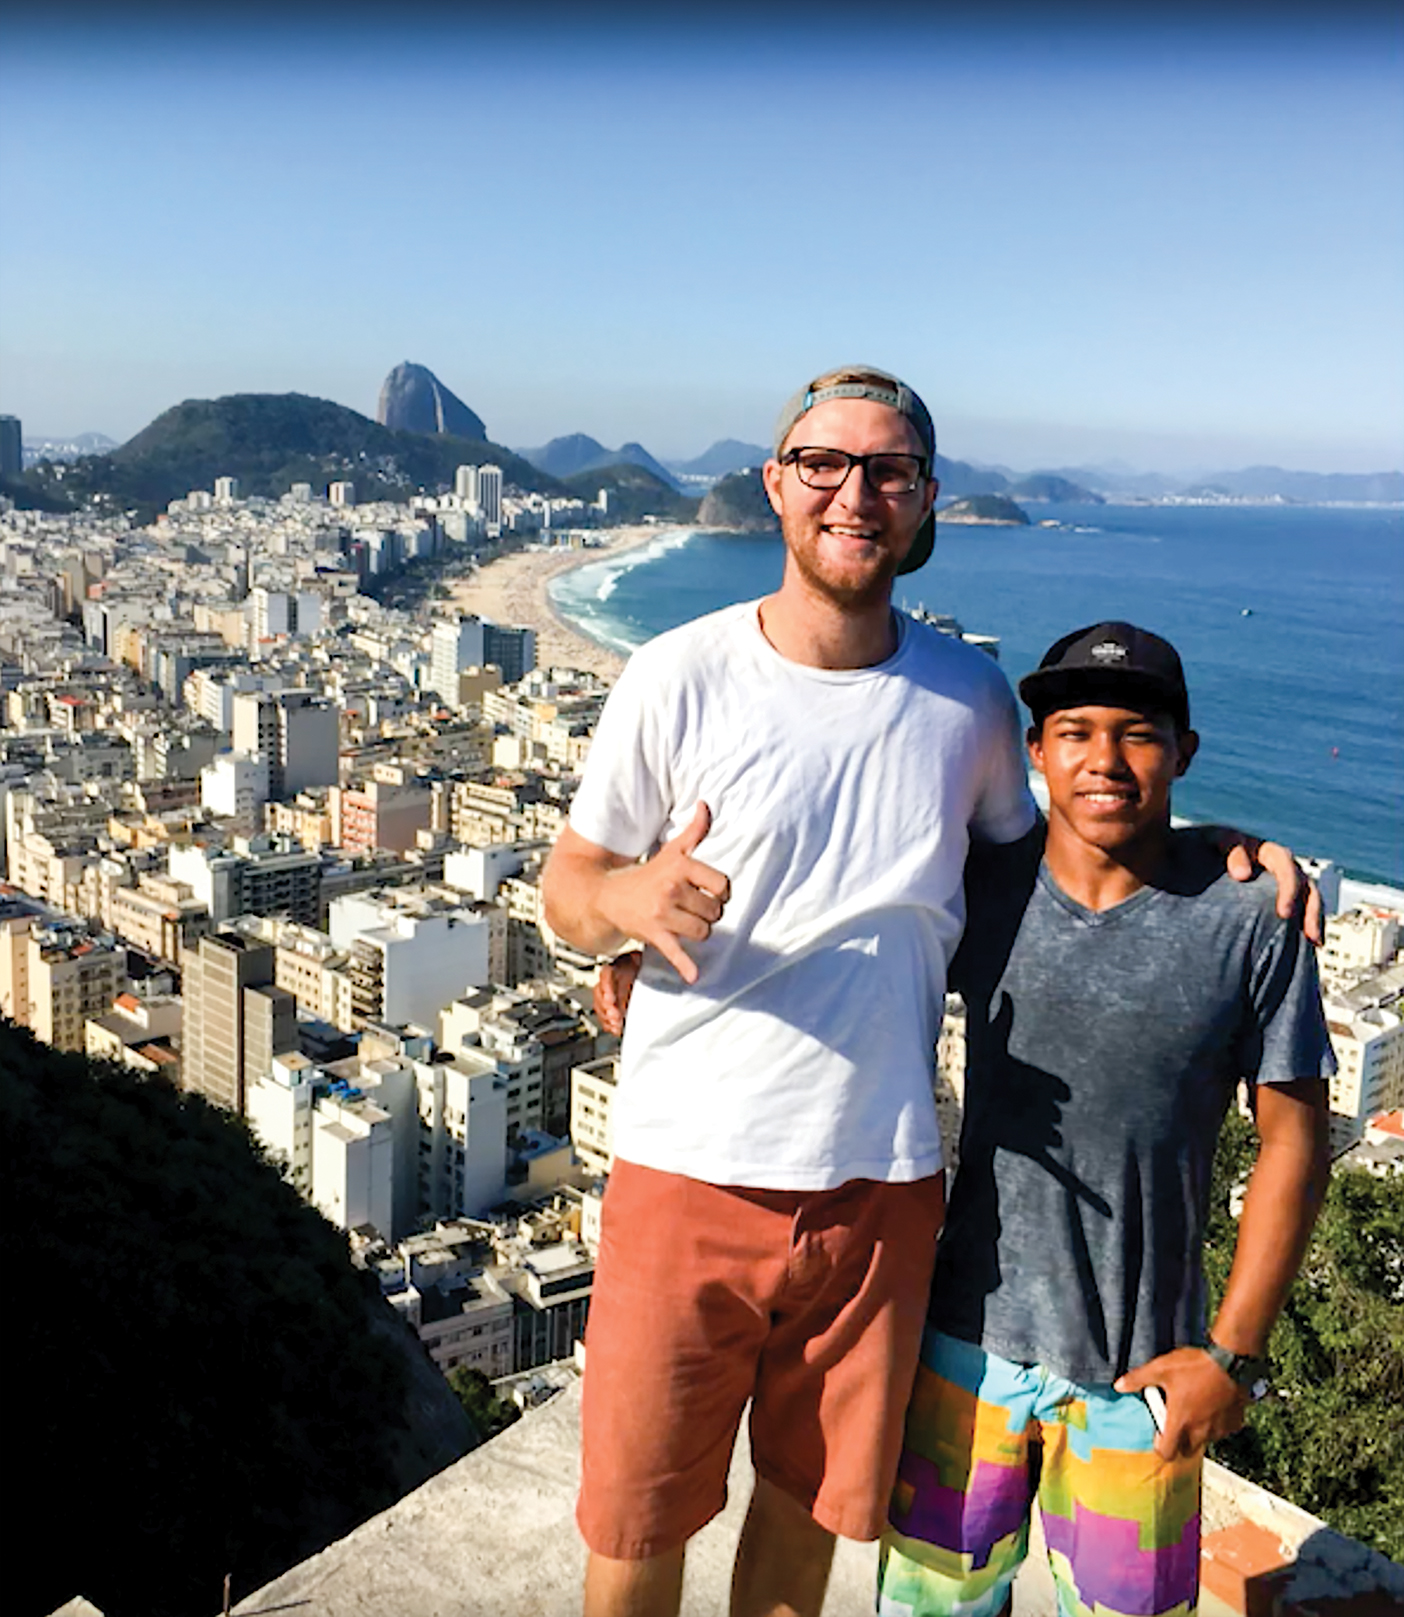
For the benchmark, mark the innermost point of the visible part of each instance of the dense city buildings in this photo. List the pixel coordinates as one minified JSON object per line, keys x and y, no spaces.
{"x":271,"y":837}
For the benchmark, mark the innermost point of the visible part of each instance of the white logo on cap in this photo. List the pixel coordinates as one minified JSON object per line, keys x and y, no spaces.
{"x":1109,"y":651}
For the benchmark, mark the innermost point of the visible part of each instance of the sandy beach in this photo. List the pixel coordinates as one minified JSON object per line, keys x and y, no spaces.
{"x":512,"y":591}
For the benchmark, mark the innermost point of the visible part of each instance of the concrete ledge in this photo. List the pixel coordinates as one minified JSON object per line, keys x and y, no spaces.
{"x":1264,"y":1557}
{"x":494,"y":1536}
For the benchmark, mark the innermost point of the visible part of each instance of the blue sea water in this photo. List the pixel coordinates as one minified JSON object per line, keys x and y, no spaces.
{"x":1299,"y":705}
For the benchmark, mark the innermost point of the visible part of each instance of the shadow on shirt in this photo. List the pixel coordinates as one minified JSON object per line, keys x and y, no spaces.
{"x":1027,"y":1121}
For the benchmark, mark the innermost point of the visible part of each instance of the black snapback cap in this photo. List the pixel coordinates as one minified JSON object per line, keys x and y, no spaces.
{"x":1112,"y":661}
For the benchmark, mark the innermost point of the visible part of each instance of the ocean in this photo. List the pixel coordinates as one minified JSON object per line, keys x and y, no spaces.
{"x":1290,"y":621}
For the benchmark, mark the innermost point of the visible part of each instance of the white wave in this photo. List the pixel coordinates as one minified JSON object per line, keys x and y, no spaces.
{"x":579,"y":594}
{"x":599,"y":579}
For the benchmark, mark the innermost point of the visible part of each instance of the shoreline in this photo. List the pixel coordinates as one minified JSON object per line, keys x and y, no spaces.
{"x":513,"y":590}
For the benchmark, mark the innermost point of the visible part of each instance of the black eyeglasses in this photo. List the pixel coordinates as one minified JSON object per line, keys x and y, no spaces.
{"x":828,"y":469}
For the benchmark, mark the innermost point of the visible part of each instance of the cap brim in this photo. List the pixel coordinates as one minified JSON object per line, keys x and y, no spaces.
{"x":1048,"y":689}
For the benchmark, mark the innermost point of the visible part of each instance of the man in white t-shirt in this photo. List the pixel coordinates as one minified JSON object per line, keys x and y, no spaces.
{"x":770,"y":1223}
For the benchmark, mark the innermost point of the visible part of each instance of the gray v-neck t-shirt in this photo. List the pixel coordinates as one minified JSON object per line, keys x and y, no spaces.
{"x":1104,"y":1048}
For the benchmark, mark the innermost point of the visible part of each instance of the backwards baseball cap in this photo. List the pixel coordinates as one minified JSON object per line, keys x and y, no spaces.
{"x":868,"y":382}
{"x":857,"y":382}
{"x":1113,"y":663}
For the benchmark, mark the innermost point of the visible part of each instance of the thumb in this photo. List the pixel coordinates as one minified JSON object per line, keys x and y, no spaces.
{"x":1143,"y":1375}
{"x":697,"y":827}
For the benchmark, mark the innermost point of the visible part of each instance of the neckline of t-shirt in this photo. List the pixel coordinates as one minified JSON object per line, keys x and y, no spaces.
{"x":831,"y":676}
{"x":1135,"y":901}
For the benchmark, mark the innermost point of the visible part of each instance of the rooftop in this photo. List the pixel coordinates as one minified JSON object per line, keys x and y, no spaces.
{"x":494,"y":1536}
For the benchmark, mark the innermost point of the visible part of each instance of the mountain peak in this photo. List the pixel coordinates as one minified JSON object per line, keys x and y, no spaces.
{"x":413,"y":399}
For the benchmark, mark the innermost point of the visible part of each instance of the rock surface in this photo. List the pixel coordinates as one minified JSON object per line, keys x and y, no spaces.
{"x":413,"y":399}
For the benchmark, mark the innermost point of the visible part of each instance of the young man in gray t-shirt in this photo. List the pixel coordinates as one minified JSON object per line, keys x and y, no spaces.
{"x":1117,"y":989}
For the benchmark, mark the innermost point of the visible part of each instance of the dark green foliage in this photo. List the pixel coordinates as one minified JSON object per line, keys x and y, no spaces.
{"x":634,"y":492}
{"x":34,"y":493}
{"x":488,"y":1413}
{"x":270,"y":441}
{"x":194,"y":1386}
{"x":1332,"y":1441}
{"x":738,"y":501}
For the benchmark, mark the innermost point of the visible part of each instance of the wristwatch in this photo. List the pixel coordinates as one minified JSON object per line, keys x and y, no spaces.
{"x":1254,"y":1376}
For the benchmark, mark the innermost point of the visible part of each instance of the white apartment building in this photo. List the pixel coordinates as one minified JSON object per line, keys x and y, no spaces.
{"x":489,"y":498}
{"x":235,"y":785}
{"x":480,"y":871}
{"x":255,"y":875}
{"x":466,"y":1320}
{"x":1358,"y":940}
{"x":346,"y":1136}
{"x":298,"y":733}
{"x":455,"y":645}
{"x":277,"y":613}
{"x":592,"y":1090}
{"x":462,"y":1100}
{"x":210,"y":692}
{"x":307,"y":965}
{"x":54,"y":978}
{"x":398,"y":1132}
{"x":1366,"y":1023}
{"x":413,"y":951}
{"x":519,"y":1063}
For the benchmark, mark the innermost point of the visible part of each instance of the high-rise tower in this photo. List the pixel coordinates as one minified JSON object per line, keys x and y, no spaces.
{"x":236,"y":1020}
{"x":11,"y":446}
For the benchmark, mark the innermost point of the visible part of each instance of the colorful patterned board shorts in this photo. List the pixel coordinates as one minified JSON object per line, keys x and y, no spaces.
{"x":985,"y":1437}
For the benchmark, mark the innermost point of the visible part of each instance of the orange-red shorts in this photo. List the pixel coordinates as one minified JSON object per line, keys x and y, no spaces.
{"x":808,"y":1303}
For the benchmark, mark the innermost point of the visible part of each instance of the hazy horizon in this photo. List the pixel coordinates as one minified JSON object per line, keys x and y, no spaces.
{"x":1174,"y":240}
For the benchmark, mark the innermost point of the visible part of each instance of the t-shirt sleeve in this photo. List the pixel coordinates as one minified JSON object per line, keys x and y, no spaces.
{"x":624,"y":799}
{"x":1287,"y":1037}
{"x":1005,"y":810}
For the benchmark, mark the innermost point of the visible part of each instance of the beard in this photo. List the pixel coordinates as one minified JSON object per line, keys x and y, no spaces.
{"x":855,"y":589}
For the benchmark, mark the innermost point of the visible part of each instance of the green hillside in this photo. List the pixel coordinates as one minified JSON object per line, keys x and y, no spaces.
{"x":200,"y":1381}
{"x":270,"y":441}
{"x":635,"y":492}
{"x":739,"y":501}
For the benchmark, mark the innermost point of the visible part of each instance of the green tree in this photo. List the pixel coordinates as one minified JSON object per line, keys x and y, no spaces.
{"x":1331,"y":1438}
{"x":489,"y":1413}
{"x":200,"y":1380}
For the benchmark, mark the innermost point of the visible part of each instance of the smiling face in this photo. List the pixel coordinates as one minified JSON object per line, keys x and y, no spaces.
{"x":1109,"y":772}
{"x":847,"y":543}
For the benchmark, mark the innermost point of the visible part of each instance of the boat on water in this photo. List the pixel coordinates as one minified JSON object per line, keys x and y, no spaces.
{"x":944,"y":623}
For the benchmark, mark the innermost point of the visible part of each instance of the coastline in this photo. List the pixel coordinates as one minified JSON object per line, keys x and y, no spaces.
{"x":513,"y":590}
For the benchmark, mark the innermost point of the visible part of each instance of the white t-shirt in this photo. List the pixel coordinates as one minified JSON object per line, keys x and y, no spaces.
{"x":842,"y":803}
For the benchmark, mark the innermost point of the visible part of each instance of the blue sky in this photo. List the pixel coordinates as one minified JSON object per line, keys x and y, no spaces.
{"x":1179,"y":245}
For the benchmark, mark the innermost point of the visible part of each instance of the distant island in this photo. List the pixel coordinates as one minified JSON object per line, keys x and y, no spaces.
{"x":986,"y":511}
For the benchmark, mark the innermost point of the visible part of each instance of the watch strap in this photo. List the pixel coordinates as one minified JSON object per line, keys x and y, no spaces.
{"x":1251,"y":1374}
